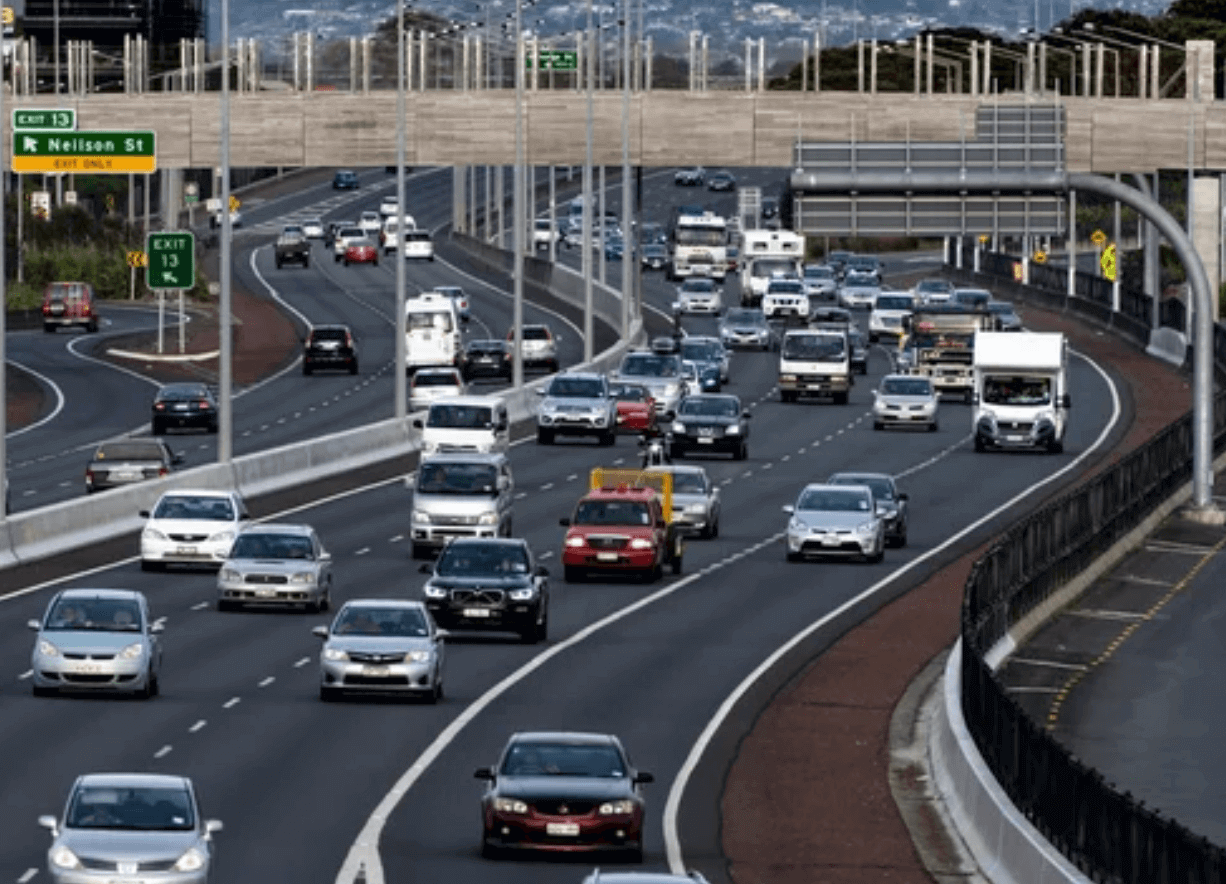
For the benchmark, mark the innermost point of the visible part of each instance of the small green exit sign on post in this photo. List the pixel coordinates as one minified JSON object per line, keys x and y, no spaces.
{"x":172,"y":260}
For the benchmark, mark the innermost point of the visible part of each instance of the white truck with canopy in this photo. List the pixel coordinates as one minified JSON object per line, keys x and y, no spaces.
{"x":431,"y":331}
{"x":766,"y":255}
{"x":1021,"y":397}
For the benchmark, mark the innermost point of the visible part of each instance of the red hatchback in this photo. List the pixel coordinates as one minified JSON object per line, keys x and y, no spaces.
{"x":361,"y":251}
{"x":636,"y":409}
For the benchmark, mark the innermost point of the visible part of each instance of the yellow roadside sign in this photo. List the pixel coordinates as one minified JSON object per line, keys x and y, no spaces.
{"x":1107,"y":262}
{"x":983,"y":239}
{"x":1017,"y":271}
{"x":8,"y":16}
{"x":1098,"y":238}
{"x":137,"y":258}
{"x":234,"y":203}
{"x":1040,"y":257}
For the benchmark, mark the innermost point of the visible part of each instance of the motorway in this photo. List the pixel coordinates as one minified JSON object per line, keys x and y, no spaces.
{"x":295,"y":780}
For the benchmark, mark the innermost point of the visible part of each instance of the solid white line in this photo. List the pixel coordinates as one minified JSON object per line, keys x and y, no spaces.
{"x":163,"y":752}
{"x":27,"y":875}
{"x":197,"y":726}
{"x":672,"y":840}
{"x":267,"y":681}
{"x":233,"y":701}
{"x":59,"y":401}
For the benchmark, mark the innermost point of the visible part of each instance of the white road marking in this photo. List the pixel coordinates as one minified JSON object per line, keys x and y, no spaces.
{"x":27,"y":674}
{"x":545,"y":555}
{"x":303,"y":662}
{"x":546,"y":486}
{"x":27,"y":875}
{"x":363,"y":551}
{"x":200,"y":606}
{"x":233,"y":701}
{"x":265,"y":682}
{"x":65,"y":484}
{"x":620,"y":460}
{"x":1055,"y":664}
{"x":520,"y":495}
{"x":572,"y":477}
{"x":163,"y":752}
{"x":197,"y":726}
{"x":28,"y":493}
{"x":672,"y":840}
{"x":786,"y":458}
{"x":767,"y":466}
{"x":396,"y":539}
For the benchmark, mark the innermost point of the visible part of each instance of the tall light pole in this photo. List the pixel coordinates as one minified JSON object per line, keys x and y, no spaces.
{"x":225,"y":421}
{"x":4,"y":473}
{"x":400,"y":407}
{"x":587,"y":196}
{"x":629,"y":235}
{"x":517,"y":202}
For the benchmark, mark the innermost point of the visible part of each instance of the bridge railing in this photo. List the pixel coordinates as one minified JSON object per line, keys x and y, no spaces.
{"x":1108,"y":834}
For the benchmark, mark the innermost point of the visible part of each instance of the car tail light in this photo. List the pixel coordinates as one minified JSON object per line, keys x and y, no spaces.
{"x":46,"y":308}
{"x":85,"y":309}
{"x":159,"y":406}
{"x":204,"y":403}
{"x":163,"y":471}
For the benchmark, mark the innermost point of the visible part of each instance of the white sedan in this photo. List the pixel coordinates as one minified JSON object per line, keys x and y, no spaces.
{"x":313,"y":228}
{"x":191,"y":527}
{"x":371,"y":223}
{"x":699,"y":294}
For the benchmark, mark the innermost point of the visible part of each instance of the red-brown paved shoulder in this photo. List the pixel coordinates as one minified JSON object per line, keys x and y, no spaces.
{"x":807,"y":798}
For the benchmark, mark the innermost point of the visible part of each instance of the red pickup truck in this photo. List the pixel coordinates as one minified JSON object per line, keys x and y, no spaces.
{"x":621,"y":528}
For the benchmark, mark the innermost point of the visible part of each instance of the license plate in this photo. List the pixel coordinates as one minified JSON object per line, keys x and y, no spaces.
{"x":265,"y":593}
{"x":606,"y":557}
{"x":566,"y":830}
{"x":1015,"y":438}
{"x":186,"y":550}
{"x":125,"y":475}
{"x":181,"y":406}
{"x":705,"y":440}
{"x":476,"y":612}
{"x":87,"y":668}
{"x":830,"y":541}
{"x":57,"y":309}
{"x":126,"y":868}
{"x":376,"y":671}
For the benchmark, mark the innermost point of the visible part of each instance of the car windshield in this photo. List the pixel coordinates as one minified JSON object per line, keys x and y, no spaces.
{"x":369,"y":620}
{"x":476,"y":559}
{"x":141,"y":808}
{"x":352,"y":233}
{"x":814,"y":347}
{"x":179,"y":506}
{"x":129,"y":451}
{"x":976,"y":298}
{"x":329,"y":334}
{"x":895,"y":302}
{"x":708,"y":406}
{"x":429,"y":319}
{"x":460,"y":417}
{"x":700,"y":236}
{"x":1001,"y":307}
{"x":578,"y":388}
{"x":906,"y":387}
{"x":784,"y":287}
{"x":771,"y":266}
{"x":457,"y":478}
{"x":534,"y":333}
{"x":562,"y":760}
{"x":819,"y":273}
{"x":928,"y":286}
{"x":1016,"y":390}
{"x":272,"y":546}
{"x":879,"y":485}
{"x":828,"y":500}
{"x":689,"y":483}
{"x":701,"y":351}
{"x":702,"y":286}
{"x":744,"y":317}
{"x":485,"y":347}
{"x":612,"y":512}
{"x":860,"y":279}
{"x":650,"y":365}
{"x":630,"y":393}
{"x":435,"y":379}
{"x":183,"y":391}
{"x":95,"y":613}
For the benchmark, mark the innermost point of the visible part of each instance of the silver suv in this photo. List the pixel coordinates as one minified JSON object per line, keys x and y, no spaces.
{"x":459,"y":494}
{"x":576,"y":404}
{"x":538,"y":345}
{"x":660,"y":373}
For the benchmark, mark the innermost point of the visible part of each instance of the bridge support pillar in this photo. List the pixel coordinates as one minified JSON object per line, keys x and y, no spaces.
{"x":459,"y":200}
{"x":1207,"y":228}
{"x":174,"y":199}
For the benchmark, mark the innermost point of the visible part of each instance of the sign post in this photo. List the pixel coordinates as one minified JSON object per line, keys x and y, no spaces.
{"x":172,"y":265}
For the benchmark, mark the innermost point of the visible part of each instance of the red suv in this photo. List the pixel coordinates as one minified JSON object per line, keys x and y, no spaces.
{"x":69,"y":303}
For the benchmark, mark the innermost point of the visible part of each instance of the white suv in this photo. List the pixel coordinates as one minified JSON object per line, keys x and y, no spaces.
{"x":785,"y":298}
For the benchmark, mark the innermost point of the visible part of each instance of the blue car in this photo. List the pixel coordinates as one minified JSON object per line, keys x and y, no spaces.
{"x":345,"y":180}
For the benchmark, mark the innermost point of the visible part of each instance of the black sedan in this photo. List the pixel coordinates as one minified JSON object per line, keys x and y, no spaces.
{"x":563,"y":792}
{"x":721,"y":180}
{"x":128,"y":460}
{"x":710,"y":422}
{"x":489,"y":583}
{"x":486,"y":359}
{"x":184,"y":406}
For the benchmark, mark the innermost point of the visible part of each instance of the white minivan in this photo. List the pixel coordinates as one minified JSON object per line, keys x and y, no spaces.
{"x":432,"y":331}
{"x":418,"y":245}
{"x":465,"y":423}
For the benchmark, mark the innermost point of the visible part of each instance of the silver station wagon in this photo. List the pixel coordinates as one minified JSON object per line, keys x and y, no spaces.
{"x":276,"y":565}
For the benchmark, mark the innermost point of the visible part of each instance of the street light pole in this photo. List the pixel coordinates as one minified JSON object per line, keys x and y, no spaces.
{"x":225,"y":422}
{"x":629,"y":234}
{"x":400,"y":367}
{"x":587,"y":197}
{"x":517,"y":201}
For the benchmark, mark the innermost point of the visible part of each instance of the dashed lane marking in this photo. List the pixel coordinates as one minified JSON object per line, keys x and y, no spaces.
{"x":163,"y":752}
{"x":363,"y":551}
{"x":232,"y":702}
{"x":27,"y":875}
{"x":396,"y":539}
{"x":266,"y":681}
{"x":1055,"y":664}
{"x":520,"y":495}
{"x":546,"y":555}
{"x":27,"y":674}
{"x":197,"y":726}
{"x":200,"y":606}
{"x":546,"y":486}
{"x":572,"y":477}
{"x":303,"y":662}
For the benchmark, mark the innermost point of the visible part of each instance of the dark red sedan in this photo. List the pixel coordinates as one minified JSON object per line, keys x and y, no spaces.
{"x":636,"y":409}
{"x":361,"y":251}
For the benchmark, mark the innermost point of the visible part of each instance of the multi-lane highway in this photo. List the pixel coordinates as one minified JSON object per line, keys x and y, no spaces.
{"x":296,"y":781}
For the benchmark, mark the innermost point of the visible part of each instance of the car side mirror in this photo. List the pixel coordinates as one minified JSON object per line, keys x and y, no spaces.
{"x":410,"y":480}
{"x":442,"y":635}
{"x":211,"y":826}
{"x":1066,"y":401}
{"x":144,"y":514}
{"x":325,"y":556}
{"x":745,"y":414}
{"x":426,"y":568}
{"x":34,"y":624}
{"x":176,"y":459}
{"x":244,"y":515}
{"x":540,"y":391}
{"x":417,"y":424}
{"x":565,"y":523}
{"x":904,"y":496}
{"x":644,"y":777}
{"x":483,"y":773}
{"x":49,"y":822}
{"x":501,"y":426}
{"x":157,"y":627}
{"x":542,"y":571}
{"x":321,"y":631}
{"x":789,"y":509}
{"x":975,"y":400}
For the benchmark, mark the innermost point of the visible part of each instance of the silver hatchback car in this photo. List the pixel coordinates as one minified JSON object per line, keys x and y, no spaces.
{"x":129,"y":827}
{"x":835,"y":520}
{"x":277,"y":565}
{"x":96,"y":640}
{"x":385,"y":646}
{"x":696,"y":501}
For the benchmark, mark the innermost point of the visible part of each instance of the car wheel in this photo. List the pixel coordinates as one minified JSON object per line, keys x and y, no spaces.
{"x":38,"y":691}
{"x":147,"y":565}
{"x":714,"y":530}
{"x":877,"y":425}
{"x":609,"y":438}
{"x":353,"y":367}
{"x":793,"y":556}
{"x":544,"y":437}
{"x":48,"y":328}
{"x":306,"y":369}
{"x":346,"y":262}
{"x":157,"y":428}
{"x":933,"y":427}
{"x":542,"y":628}
{"x":979,"y":446}
{"x":421,"y":551}
{"x":336,"y":258}
{"x":741,"y":453}
{"x":278,"y":264}
{"x":634,"y":855}
{"x":306,"y":264}
{"x":572,"y":574}
{"x":489,"y":851}
{"x":1055,"y":447}
{"x":901,"y":540}
{"x":329,"y":695}
{"x":676,"y":559}
{"x":840,"y":398}
{"x":787,"y":395}
{"x":225,"y":605}
{"x":675,"y":452}
{"x":877,"y":556}
{"x":93,"y":326}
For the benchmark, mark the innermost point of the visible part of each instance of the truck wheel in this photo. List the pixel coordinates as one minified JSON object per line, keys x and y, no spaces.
{"x":840,"y":398}
{"x":306,"y":263}
{"x":979,"y":446}
{"x":787,"y":395}
{"x":421,"y":551}
{"x":306,"y":369}
{"x":609,"y":438}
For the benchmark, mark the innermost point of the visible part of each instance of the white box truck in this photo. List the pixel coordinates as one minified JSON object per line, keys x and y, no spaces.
{"x":1021,"y":397}
{"x":815,"y":362}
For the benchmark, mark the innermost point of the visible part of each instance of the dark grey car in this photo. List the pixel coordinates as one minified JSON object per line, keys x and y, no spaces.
{"x":115,"y":464}
{"x":710,"y":422}
{"x":890,"y":502}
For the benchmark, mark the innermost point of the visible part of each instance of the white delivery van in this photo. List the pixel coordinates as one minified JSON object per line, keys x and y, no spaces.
{"x":389,"y":234}
{"x":431,"y":331}
{"x":465,"y":423}
{"x":1021,"y":397}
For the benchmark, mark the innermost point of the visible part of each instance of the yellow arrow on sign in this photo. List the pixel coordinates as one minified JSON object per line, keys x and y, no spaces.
{"x":1107,"y":262}
{"x":8,"y":17}
{"x":137,"y":259}
{"x":1098,"y":237}
{"x":983,"y":239}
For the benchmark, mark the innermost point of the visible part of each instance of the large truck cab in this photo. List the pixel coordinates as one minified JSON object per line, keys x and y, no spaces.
{"x":815,"y":362}
{"x":1021,"y":397}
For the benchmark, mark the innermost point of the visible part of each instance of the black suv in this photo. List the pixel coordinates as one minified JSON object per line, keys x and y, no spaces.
{"x":345,"y":180}
{"x":330,"y":346}
{"x":486,"y":359}
{"x":710,"y":422}
{"x":183,"y":406}
{"x":489,"y":583}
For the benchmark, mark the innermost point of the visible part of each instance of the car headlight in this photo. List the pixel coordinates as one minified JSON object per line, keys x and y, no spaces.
{"x":302,"y":577}
{"x":640,"y":543}
{"x":434,"y":592}
{"x":334,"y":654}
{"x":732,"y":430}
{"x":599,"y":419}
{"x":623,"y":806}
{"x":190,"y":861}
{"x":546,"y":418}
{"x":672,"y":389}
{"x":787,"y":377}
{"x":132,"y":651}
{"x":229,"y":575}
{"x":152,"y":534}
{"x":679,"y":428}
{"x":65,"y":859}
{"x":575,"y":540}
{"x":487,"y":519}
{"x":988,"y":413}
{"x":510,"y":805}
{"x":221,"y":537}
{"x":522,"y":595}
{"x":417,"y":657}
{"x":420,"y":518}
{"x":797,"y":526}
{"x":47,"y":649}
{"x":869,"y":527}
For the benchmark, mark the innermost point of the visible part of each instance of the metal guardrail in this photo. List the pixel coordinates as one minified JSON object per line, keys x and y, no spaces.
{"x":1109,"y":835}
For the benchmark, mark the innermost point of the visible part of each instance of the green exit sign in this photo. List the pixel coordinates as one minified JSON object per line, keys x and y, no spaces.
{"x":29,"y":119}
{"x":172,"y":260}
